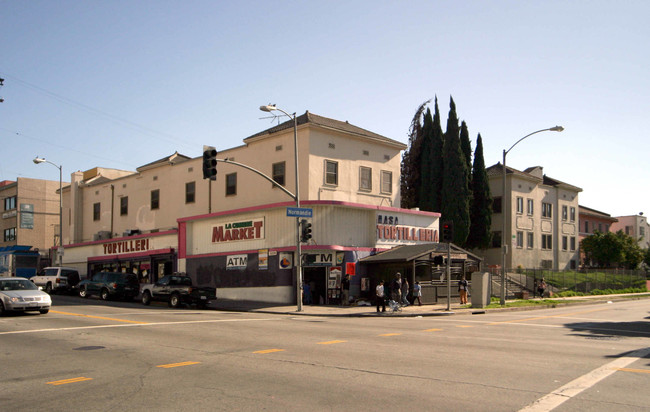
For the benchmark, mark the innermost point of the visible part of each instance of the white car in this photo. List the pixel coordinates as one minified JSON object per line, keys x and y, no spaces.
{"x":20,"y":294}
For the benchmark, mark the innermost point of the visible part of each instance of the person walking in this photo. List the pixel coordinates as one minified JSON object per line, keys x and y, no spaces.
{"x":462,"y":290}
{"x":417,"y":293}
{"x":541,"y":288}
{"x":381,"y":298}
{"x":396,"y":288}
{"x":405,"y":292}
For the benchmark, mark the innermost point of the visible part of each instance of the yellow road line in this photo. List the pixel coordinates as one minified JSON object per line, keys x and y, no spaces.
{"x":97,"y":317}
{"x":390,"y":334}
{"x":269,"y":351}
{"x":71,"y":380}
{"x":432,"y":330}
{"x":464,"y":326}
{"x":174,"y":365}
{"x":633,"y":370}
{"x":332,"y":342}
{"x":547,"y":317}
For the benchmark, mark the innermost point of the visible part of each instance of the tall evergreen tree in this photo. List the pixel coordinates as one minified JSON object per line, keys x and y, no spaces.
{"x":437,"y":161}
{"x":425,"y":164}
{"x":455,"y":187}
{"x":481,"y":203}
{"x":465,"y":144}
{"x":411,"y":159}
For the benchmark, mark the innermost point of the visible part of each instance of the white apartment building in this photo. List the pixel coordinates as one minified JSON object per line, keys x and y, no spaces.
{"x":234,"y":233}
{"x":542,"y":227}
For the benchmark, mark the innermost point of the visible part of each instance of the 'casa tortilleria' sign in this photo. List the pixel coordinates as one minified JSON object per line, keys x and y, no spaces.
{"x":245,"y":230}
{"x":126,"y":246}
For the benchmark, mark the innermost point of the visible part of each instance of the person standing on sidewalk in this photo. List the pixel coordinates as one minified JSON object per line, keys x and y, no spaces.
{"x":381,"y":298}
{"x":405,"y":292}
{"x":417,"y":293}
{"x":345,"y":289}
{"x":462,"y":290}
{"x":396,"y":288}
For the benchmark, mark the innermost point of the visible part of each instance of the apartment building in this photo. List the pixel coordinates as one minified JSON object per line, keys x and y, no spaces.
{"x":542,"y":226}
{"x":635,"y":226}
{"x":234,"y":233}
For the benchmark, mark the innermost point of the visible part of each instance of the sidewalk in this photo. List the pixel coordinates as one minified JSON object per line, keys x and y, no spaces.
{"x":439,"y":309}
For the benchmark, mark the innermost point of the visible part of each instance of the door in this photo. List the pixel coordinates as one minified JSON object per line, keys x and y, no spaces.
{"x":316,"y":277}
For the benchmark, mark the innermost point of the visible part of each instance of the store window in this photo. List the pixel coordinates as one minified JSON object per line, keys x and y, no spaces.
{"x":97,"y":211}
{"x":155,"y":199}
{"x":331,"y":172}
{"x":231,"y":184}
{"x":279,"y":173}
{"x":190,"y":192}
{"x":124,"y":206}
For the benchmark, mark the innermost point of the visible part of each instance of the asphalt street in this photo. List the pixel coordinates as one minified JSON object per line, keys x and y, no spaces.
{"x":104,"y":356}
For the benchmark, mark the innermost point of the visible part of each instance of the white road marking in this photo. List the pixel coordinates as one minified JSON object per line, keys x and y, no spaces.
{"x":17,"y":332}
{"x":573,"y":388}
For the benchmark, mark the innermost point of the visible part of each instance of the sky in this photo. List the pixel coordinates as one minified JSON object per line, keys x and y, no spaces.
{"x":119,"y":84}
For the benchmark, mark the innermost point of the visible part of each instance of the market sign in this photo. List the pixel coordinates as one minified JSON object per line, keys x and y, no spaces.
{"x":235,"y":231}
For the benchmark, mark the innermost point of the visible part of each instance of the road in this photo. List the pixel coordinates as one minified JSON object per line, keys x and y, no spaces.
{"x":106,"y":356}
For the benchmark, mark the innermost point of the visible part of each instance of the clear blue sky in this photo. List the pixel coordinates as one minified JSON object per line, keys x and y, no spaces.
{"x":119,"y":84}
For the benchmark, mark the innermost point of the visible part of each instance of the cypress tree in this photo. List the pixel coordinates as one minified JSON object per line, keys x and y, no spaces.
{"x":426,"y":171}
{"x":465,"y":144}
{"x":437,"y":161}
{"x":455,"y":187}
{"x":481,"y":204}
{"x":411,"y":159}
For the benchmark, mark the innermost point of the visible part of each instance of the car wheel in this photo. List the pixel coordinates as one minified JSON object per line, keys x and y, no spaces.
{"x":104,"y":294}
{"x":44,"y":311}
{"x":146,"y":298}
{"x":83,"y":292}
{"x":48,"y":288}
{"x":175,"y":300}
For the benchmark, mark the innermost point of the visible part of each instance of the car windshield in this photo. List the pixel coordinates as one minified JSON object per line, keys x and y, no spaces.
{"x":17,"y":284}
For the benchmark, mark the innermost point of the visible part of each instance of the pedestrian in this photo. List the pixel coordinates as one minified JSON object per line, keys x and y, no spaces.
{"x":306,"y":290}
{"x":405,"y":292}
{"x":462,"y":290}
{"x":417,"y":293}
{"x":381,"y":298}
{"x":345,"y":287}
{"x":541,"y":288}
{"x":396,"y":288}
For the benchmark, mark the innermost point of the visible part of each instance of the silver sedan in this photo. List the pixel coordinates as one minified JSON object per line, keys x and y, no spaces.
{"x":20,"y":294}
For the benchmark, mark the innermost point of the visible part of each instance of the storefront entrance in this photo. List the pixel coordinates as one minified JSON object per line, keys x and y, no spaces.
{"x":316,"y":278}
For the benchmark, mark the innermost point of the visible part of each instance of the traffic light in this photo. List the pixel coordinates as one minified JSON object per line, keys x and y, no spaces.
{"x":209,"y":163}
{"x":447,"y":232}
{"x":305,"y":231}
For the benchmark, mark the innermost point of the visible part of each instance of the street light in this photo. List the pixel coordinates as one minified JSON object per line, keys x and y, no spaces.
{"x":39,"y":160}
{"x":504,"y":238}
{"x":270,"y":108}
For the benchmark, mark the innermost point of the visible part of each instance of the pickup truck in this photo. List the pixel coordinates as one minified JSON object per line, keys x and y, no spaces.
{"x":57,"y":279}
{"x":176,"y":290}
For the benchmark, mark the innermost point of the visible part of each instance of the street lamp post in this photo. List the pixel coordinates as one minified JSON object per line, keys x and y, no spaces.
{"x":270,"y":108}
{"x":505,"y":207}
{"x":38,"y":160}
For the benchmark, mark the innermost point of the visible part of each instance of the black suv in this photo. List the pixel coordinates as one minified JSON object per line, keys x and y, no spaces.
{"x":110,"y":284}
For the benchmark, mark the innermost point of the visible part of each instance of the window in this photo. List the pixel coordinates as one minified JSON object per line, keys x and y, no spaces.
{"x":573,"y":264}
{"x":124,"y":206}
{"x":231,"y":184}
{"x":547,"y":242}
{"x":565,"y":242}
{"x":530,"y":240}
{"x":547,"y":210}
{"x":520,"y":205}
{"x":365,"y":178}
{"x":572,"y":216}
{"x":386,"y":181}
{"x":10,"y":234}
{"x":331,"y":172}
{"x":520,"y":237}
{"x":600,"y":227}
{"x":10,"y":203}
{"x":628,"y":230}
{"x":586,"y":226}
{"x":155,"y":199}
{"x":190,"y":192}
{"x":496,"y":239}
{"x":530,"y":206}
{"x":641,"y":231}
{"x":573,"y":244}
{"x":279,"y":173}
{"x":496,"y":205}
{"x":565,"y":212}
{"x":97,"y":210}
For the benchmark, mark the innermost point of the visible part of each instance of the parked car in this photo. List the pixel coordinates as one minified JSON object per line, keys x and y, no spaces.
{"x":20,"y":294}
{"x":176,"y":290}
{"x":109,"y":285}
{"x":57,"y":279}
